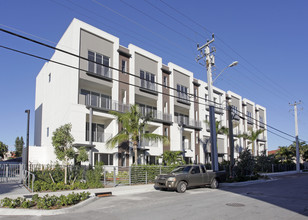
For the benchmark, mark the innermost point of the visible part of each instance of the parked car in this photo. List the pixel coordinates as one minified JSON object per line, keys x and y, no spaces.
{"x":187,"y":176}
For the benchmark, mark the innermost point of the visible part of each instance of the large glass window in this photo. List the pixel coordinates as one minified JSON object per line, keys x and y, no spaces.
{"x":147,"y":80}
{"x":107,"y":159}
{"x":95,"y":64}
{"x":97,"y":132}
{"x":182,"y":91}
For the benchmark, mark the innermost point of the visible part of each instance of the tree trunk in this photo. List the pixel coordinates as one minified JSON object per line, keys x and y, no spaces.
{"x":65,"y":172}
{"x":136,"y":153}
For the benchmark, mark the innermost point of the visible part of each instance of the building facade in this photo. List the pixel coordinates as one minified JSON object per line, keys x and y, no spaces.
{"x":113,"y":77}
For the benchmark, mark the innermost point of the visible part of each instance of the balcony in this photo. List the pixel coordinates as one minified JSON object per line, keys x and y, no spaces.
{"x":105,"y":104}
{"x":148,"y":86}
{"x":183,"y":98}
{"x":100,"y":137}
{"x":147,"y":143}
{"x":261,"y":124}
{"x":102,"y":72}
{"x":217,"y":107}
{"x":262,"y":137}
{"x":188,"y":123}
{"x":157,"y":116}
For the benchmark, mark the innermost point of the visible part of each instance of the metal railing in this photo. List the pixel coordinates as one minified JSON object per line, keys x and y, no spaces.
{"x":101,"y":71}
{"x":156,"y":114}
{"x":183,"y":97}
{"x":11,"y":172}
{"x":115,"y":176}
{"x":148,"y":85}
{"x":28,"y":180}
{"x":187,"y":121}
{"x":106,"y":104}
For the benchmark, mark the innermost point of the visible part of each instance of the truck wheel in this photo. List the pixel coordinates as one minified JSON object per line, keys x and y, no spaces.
{"x":181,"y":187}
{"x":214,"y":184}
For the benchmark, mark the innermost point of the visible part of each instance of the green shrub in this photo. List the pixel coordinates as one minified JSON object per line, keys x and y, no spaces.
{"x":45,"y":202}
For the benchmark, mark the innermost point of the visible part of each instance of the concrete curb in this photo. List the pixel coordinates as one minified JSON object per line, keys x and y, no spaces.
{"x":41,"y":212}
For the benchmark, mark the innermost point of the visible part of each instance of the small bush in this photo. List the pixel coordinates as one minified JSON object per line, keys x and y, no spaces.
{"x":45,"y":202}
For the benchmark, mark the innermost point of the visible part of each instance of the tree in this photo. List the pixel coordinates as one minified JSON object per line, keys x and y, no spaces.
{"x":303,"y":149}
{"x":285,"y":154}
{"x":245,"y":164}
{"x":133,"y":124}
{"x":19,"y":145}
{"x":252,"y":136}
{"x":62,"y":141}
{"x":3,"y":149}
{"x":171,"y":158}
{"x":219,"y":129}
{"x":82,"y":155}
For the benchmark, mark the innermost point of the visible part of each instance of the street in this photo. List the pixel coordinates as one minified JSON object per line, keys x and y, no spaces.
{"x":284,"y":198}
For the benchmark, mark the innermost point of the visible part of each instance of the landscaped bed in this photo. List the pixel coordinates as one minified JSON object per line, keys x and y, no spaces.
{"x":45,"y":202}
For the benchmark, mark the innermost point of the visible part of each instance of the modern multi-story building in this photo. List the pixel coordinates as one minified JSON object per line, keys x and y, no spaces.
{"x":109,"y":76}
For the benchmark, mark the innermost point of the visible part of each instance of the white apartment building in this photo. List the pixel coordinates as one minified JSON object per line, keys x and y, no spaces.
{"x":84,"y":95}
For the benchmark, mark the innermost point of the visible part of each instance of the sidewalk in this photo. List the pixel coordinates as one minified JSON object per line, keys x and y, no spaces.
{"x":17,"y":190}
{"x":116,"y":191}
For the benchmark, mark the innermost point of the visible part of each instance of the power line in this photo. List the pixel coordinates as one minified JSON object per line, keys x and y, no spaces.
{"x":75,"y":55}
{"x":66,"y":65}
{"x":207,"y":30}
{"x":134,"y":37}
{"x":188,"y":38}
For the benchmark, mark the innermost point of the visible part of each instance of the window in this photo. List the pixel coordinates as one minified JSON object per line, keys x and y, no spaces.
{"x":124,"y":66}
{"x":147,"y":109}
{"x":182,"y":91}
{"x":181,"y":118}
{"x":95,"y":64}
{"x":147,"y":80}
{"x":47,"y":132}
{"x":123,"y":96}
{"x":165,"y":81}
{"x":95,"y":99}
{"x":166,"y":132}
{"x":249,"y":117}
{"x":107,"y":159}
{"x":49,"y":77}
{"x":166,"y":107}
{"x":97,"y":132}
{"x":195,"y":170}
{"x":196,"y":93}
{"x":197,"y":138}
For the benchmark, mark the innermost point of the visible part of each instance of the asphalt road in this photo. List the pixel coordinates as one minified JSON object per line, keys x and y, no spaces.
{"x":284,"y":198}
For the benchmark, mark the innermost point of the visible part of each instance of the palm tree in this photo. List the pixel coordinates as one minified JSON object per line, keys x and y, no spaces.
{"x":219,"y":129}
{"x":252,"y":136}
{"x":133,"y":124}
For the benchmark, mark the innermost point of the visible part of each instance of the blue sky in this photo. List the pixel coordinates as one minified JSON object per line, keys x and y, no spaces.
{"x":268,"y":38}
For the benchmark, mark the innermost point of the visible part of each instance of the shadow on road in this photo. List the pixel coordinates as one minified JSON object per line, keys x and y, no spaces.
{"x":288,"y":192}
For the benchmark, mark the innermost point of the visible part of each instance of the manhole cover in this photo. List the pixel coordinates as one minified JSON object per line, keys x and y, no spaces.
{"x":235,"y":204}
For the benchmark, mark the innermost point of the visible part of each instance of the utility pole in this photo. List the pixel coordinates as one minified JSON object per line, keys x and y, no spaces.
{"x":231,"y":140}
{"x":296,"y":134}
{"x":205,"y":51}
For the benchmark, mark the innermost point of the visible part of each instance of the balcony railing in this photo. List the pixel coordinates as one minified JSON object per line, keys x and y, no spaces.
{"x":157,"y":115}
{"x":102,"y":72}
{"x":188,"y":122}
{"x":147,"y":143}
{"x":105,"y":103}
{"x":217,"y":107}
{"x":183,"y":97}
{"x":145,"y":84}
{"x":101,"y":137}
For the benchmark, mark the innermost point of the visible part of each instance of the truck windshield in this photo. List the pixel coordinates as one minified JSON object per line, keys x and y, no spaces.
{"x":181,"y":169}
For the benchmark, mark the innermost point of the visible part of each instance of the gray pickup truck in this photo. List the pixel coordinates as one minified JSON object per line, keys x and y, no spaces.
{"x":189,"y":176}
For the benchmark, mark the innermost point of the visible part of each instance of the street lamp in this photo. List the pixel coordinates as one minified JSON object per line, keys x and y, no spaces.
{"x":231,"y":65}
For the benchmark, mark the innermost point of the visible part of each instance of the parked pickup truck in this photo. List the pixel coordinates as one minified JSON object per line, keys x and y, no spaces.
{"x":187,"y":176}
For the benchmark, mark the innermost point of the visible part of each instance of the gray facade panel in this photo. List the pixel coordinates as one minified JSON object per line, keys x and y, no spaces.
{"x":148,"y":65}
